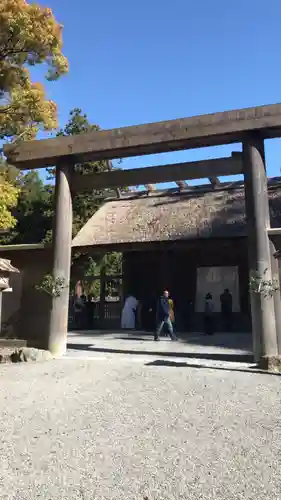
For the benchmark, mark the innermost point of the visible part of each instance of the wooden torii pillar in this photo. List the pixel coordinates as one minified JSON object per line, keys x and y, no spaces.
{"x":62,"y":238}
{"x":258,"y":222}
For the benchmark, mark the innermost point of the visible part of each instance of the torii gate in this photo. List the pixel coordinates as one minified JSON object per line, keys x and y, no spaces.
{"x":249,"y":126}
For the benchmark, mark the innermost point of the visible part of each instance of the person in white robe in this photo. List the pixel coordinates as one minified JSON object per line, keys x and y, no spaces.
{"x":128,"y":316}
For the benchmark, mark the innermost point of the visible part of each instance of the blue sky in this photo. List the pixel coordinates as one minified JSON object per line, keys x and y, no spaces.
{"x":138,"y":62}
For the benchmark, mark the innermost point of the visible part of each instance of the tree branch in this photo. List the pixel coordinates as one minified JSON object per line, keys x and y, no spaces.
{"x":4,"y":55}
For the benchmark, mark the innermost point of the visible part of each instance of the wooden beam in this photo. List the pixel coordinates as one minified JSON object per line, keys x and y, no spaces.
{"x":150,"y":188}
{"x":214,"y":181}
{"x":159,"y":245}
{"x":274,"y":231}
{"x":277,"y":254}
{"x":181,"y":185}
{"x":89,"y":279}
{"x":161,"y":173}
{"x":110,"y":167}
{"x":206,"y":130}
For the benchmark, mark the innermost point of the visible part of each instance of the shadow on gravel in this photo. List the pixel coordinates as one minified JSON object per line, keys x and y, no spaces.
{"x":175,"y":364}
{"x":90,"y":333}
{"x":242,"y":358}
{"x":140,"y":339}
{"x":241,"y":341}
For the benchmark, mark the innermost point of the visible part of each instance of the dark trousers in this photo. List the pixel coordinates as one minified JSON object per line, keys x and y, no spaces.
{"x":227,"y":321}
{"x":167,"y":322}
{"x":208,"y":325}
{"x":78,"y":320}
{"x":166,"y":329}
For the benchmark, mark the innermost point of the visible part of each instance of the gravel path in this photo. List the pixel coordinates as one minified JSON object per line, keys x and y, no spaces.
{"x":113,"y":429}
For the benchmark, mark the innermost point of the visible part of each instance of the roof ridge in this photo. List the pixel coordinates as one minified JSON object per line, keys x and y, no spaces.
{"x":201,"y":188}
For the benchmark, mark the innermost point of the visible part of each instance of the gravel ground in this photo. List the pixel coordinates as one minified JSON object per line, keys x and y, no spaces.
{"x":110,"y":428}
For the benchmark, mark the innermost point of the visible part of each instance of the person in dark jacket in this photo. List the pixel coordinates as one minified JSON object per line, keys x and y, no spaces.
{"x":226,"y":310}
{"x":163,"y":316}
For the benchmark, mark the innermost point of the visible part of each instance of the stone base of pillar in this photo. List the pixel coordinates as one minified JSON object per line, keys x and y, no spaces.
{"x":58,"y":349}
{"x":270,"y":364}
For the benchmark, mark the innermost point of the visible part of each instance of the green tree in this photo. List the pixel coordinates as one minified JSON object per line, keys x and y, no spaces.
{"x":29,"y":36}
{"x":84,"y":204}
{"x":33,"y":210}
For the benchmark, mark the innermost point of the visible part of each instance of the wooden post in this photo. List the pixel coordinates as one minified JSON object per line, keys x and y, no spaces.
{"x":1,"y":303}
{"x":62,"y":237}
{"x":276,"y":295}
{"x":102,"y":296}
{"x":125,"y":277}
{"x":256,"y":196}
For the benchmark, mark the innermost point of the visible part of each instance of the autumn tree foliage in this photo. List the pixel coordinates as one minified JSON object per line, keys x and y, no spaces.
{"x":34,"y":209}
{"x":8,"y":199}
{"x":35,"y":205}
{"x":29,"y":35}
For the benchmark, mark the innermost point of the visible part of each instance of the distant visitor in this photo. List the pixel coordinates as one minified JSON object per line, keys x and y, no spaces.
{"x":129,"y":312}
{"x":172,"y":316}
{"x":164,"y":317}
{"x":226,"y":310}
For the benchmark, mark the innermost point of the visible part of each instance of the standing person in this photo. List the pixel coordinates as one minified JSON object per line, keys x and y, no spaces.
{"x":163,"y":317}
{"x":208,"y":315}
{"x":226,"y":309}
{"x":172,"y":316}
{"x":128,"y":316}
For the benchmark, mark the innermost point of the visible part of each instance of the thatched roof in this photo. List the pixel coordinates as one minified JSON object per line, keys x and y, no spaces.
{"x":6,"y":266}
{"x":174,"y":215}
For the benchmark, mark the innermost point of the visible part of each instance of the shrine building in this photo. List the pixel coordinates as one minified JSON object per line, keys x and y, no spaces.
{"x":190,"y":241}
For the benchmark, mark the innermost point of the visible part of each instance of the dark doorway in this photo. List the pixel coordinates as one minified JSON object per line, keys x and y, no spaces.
{"x":149,"y":272}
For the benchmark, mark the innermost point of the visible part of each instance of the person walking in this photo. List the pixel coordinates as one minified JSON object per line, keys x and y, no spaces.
{"x":164,"y":317}
{"x":172,"y":317}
